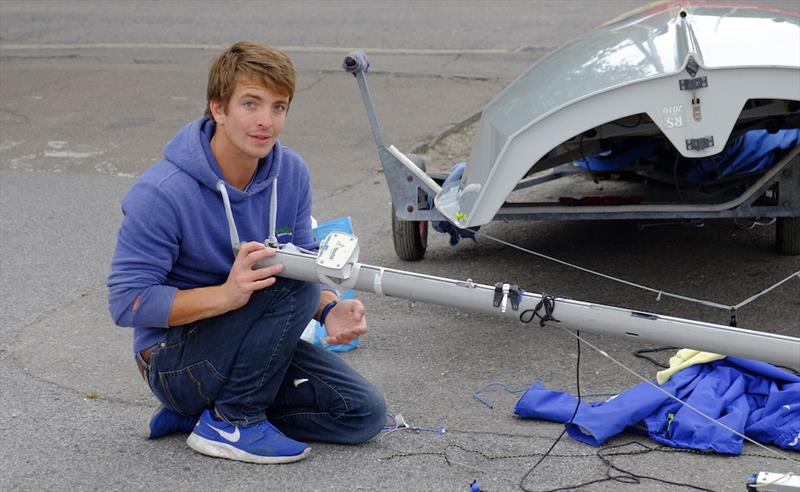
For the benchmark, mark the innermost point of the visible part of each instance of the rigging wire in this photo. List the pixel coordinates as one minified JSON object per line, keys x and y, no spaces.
{"x":756,"y":296}
{"x":659,"y":292}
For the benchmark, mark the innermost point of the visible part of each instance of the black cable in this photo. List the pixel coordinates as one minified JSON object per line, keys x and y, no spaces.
{"x":574,"y":413}
{"x":625,"y":476}
{"x":632,"y":477}
{"x":547,"y":302}
{"x":638,"y":122}
{"x":604,"y":454}
{"x":675,"y":175}
{"x":492,"y":457}
{"x":639,"y":353}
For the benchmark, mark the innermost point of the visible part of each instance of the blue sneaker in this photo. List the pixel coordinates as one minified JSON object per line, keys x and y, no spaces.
{"x":164,"y":421}
{"x":259,"y":443}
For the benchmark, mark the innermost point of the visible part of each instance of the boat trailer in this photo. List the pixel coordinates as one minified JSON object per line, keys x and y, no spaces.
{"x":677,"y":78}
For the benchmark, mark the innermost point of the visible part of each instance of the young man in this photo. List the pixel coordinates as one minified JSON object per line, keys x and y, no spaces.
{"x":218,"y":341}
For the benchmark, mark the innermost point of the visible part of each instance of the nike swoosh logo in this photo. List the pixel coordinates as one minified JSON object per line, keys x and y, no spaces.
{"x":298,"y":382}
{"x":229,"y":436}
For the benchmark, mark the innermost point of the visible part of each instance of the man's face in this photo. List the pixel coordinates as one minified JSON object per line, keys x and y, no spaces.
{"x":252,"y":121}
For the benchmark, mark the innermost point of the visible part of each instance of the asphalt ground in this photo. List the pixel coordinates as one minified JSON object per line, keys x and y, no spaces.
{"x":89,"y":94}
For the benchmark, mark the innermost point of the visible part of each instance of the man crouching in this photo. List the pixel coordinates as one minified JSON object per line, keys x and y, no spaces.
{"x":217,"y":341}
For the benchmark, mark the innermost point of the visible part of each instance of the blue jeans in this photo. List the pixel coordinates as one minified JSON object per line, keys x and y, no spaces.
{"x":250,"y":365}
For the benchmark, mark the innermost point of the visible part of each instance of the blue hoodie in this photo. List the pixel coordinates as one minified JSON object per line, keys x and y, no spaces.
{"x":175,"y":235}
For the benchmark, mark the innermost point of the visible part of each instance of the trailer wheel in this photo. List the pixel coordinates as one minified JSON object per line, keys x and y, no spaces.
{"x":787,"y":235}
{"x":410,"y":237}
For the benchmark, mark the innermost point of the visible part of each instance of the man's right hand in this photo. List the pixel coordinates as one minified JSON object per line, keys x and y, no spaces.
{"x":243,"y":280}
{"x":205,"y":302}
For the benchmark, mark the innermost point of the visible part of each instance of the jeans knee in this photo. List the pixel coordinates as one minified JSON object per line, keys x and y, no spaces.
{"x":368,"y":414}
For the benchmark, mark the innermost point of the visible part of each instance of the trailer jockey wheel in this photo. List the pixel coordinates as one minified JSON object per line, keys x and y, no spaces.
{"x":787,"y":235}
{"x":410,"y":237}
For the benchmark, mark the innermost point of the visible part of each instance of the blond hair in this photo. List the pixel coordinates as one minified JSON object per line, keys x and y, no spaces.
{"x":249,"y":60}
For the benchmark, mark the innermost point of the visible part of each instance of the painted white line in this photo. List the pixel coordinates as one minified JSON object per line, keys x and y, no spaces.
{"x":68,"y":154}
{"x":57,"y":144}
{"x":293,"y":49}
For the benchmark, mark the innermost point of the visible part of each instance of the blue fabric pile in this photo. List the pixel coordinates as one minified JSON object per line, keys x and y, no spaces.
{"x":756,"y":399}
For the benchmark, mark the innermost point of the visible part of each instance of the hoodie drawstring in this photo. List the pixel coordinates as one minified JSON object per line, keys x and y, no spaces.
{"x":229,"y":215}
{"x":273,"y":213}
{"x":272,"y":240}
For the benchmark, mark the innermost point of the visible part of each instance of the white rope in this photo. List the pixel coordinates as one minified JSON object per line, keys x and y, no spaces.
{"x":699,"y":412}
{"x":229,"y":216}
{"x":659,"y":293}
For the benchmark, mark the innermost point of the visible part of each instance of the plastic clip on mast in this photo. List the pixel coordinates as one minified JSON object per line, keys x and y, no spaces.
{"x":335,"y":258}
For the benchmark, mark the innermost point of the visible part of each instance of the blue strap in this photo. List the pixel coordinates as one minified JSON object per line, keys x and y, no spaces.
{"x":326,"y":310}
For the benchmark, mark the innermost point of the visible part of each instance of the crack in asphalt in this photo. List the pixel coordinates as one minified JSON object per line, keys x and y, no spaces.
{"x":16,"y":363}
{"x":437,"y":76}
{"x":313,"y":84}
{"x":38,"y":57}
{"x":16,"y":114}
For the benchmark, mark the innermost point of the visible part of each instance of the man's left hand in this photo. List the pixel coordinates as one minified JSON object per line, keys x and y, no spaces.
{"x":346,"y":321}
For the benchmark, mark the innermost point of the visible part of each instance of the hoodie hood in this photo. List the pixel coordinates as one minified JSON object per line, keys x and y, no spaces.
{"x":190,"y":150}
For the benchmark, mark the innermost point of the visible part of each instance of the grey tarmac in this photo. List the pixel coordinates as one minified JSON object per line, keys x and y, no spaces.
{"x":91,"y":91}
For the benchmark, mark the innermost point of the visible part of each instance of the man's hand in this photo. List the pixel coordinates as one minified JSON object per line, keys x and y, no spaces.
{"x":346,"y":321}
{"x":243,"y":280}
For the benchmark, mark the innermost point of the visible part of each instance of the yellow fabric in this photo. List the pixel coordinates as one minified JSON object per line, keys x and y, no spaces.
{"x":683,"y":359}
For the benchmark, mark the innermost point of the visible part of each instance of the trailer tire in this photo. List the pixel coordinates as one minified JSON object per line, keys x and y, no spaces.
{"x":410,"y":237}
{"x":787,"y":235}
